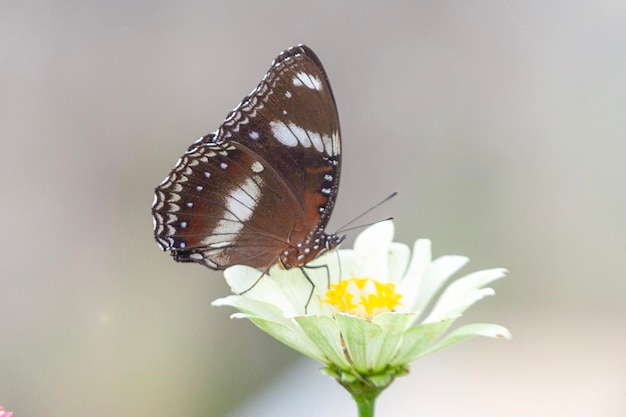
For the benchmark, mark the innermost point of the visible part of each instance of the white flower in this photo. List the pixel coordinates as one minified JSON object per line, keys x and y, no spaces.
{"x":367,"y":317}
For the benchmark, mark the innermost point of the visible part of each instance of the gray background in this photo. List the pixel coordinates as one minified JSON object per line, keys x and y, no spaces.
{"x":502,"y":124}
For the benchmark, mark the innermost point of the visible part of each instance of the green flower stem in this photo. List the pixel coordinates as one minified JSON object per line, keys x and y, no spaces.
{"x":365,"y":388}
{"x":364,"y":393}
{"x":365,"y":405}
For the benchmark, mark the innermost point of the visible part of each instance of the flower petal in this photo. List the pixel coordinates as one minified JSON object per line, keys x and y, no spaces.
{"x":431,"y":279}
{"x":410,"y":284}
{"x":240,"y":277}
{"x":463,"y":293}
{"x":251,"y":307}
{"x":289,"y":336}
{"x":287,"y":290}
{"x":370,"y":250}
{"x":271,"y":320}
{"x":394,"y":326}
{"x":398,"y":259}
{"x":418,"y":339}
{"x":358,"y":335}
{"x":291,"y":289}
{"x":467,"y":332}
{"x":324,"y":333}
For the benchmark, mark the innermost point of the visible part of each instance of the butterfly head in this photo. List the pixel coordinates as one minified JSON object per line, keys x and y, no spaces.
{"x":303,"y":253}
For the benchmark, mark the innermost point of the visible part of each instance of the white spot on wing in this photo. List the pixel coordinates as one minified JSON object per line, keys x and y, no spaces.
{"x":316,"y":139}
{"x":240,"y":206}
{"x":243,"y":200}
{"x":282,"y":133}
{"x":291,"y":135}
{"x":219,"y":245}
{"x":331,"y":144}
{"x":257,"y":167}
{"x":254,"y":135}
{"x":301,"y":134}
{"x":209,"y":262}
{"x":307,"y":80}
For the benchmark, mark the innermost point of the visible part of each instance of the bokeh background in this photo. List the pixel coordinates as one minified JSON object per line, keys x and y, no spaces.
{"x":501,"y":123}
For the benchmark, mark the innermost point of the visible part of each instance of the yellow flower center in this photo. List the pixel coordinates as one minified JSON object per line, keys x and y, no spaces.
{"x":362,"y":297}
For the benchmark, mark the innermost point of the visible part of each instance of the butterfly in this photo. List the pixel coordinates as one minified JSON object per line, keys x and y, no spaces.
{"x":259,"y":191}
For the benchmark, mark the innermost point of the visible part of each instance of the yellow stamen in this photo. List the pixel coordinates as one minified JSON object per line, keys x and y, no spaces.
{"x":363,"y":297}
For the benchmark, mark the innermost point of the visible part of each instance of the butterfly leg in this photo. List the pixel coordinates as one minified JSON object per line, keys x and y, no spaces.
{"x":302,"y":269}
{"x":308,"y":278}
{"x":257,"y":281}
{"x":317,"y":267}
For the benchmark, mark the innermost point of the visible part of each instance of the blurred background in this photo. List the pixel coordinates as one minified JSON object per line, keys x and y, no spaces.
{"x":501,"y":124}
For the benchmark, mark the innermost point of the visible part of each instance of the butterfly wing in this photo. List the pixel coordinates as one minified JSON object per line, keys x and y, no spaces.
{"x":264,"y":184}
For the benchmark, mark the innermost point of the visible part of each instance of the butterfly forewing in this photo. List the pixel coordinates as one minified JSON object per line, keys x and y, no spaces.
{"x":262,"y":187}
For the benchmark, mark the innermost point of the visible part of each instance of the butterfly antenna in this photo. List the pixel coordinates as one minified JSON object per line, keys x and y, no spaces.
{"x":383,"y":201}
{"x":366,"y":224}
